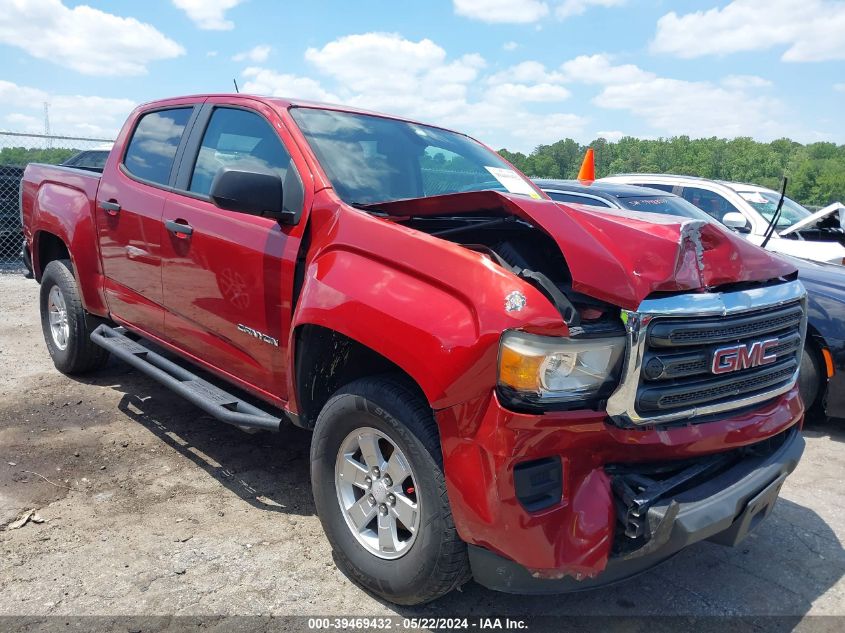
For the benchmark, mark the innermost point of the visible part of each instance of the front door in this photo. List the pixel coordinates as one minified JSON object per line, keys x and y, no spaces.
{"x":228,"y":276}
{"x":130,"y":203}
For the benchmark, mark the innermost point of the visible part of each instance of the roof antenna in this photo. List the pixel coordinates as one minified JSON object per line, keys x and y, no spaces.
{"x":235,"y":81}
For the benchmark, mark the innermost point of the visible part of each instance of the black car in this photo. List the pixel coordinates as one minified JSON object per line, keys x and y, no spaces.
{"x":90,"y":159}
{"x":822,"y":376}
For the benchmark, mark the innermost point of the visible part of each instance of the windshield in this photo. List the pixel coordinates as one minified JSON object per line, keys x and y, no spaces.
{"x":665,"y":205}
{"x":372,"y":159}
{"x":765,"y":202}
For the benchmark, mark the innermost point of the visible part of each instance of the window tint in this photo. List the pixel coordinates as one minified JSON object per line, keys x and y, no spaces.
{"x":154,"y":143}
{"x":568,"y":197}
{"x":238,"y":138}
{"x":711,"y":203}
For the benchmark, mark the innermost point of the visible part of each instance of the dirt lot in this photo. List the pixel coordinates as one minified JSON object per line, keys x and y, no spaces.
{"x":151,"y":507}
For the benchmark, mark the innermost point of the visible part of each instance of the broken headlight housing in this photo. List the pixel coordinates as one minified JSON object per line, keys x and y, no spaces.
{"x":557,"y":372}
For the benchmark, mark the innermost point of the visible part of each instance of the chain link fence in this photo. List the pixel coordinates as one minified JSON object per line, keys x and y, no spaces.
{"x":16,"y":151}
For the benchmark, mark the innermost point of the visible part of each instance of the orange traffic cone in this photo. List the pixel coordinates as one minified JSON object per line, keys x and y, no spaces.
{"x":587,"y":173}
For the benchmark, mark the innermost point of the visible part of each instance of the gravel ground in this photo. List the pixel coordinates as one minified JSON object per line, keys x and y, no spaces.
{"x":150,"y":507}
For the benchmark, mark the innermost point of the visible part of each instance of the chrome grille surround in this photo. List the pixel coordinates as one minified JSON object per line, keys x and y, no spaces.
{"x":622,"y":404}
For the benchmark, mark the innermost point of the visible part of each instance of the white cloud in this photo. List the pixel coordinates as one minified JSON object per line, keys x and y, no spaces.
{"x":739,"y":82}
{"x":257,"y":54}
{"x":526,"y":72}
{"x":521,"y":93}
{"x":70,"y":115}
{"x":209,"y":15}
{"x":525,"y":11}
{"x":502,"y":11}
{"x":697,"y":108}
{"x":419,"y":80}
{"x":811,"y":30}
{"x":738,"y":105}
{"x":839,"y":87}
{"x":599,"y":69}
{"x":510,"y":46}
{"x":413,"y":78}
{"x":267,"y":82}
{"x":84,"y":39}
{"x":611,"y":135}
{"x":571,"y":8}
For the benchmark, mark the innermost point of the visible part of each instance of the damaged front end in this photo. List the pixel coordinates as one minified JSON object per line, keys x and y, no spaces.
{"x":595,"y":258}
{"x":649,"y":497}
{"x":628,"y":476}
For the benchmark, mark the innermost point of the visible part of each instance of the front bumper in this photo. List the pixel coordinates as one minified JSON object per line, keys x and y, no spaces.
{"x":576,"y":536}
{"x":724,"y":509}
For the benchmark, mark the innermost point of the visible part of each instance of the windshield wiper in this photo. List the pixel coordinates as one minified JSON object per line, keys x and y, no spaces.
{"x":775,"y":216}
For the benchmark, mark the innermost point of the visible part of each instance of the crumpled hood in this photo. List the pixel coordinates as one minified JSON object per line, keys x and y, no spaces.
{"x":621,"y":257}
{"x":815,"y":217}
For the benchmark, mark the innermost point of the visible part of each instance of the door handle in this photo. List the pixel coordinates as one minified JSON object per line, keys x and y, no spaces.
{"x":182,"y":230}
{"x":110,"y":207}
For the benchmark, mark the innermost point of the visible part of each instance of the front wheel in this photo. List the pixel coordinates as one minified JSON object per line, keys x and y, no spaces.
{"x":377,"y":476}
{"x":809,"y":381}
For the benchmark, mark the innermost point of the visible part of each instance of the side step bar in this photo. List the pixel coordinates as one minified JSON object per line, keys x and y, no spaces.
{"x":211,"y":399}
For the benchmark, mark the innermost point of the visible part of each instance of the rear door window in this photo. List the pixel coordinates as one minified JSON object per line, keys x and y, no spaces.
{"x":153,"y":146}
{"x":711,"y":203}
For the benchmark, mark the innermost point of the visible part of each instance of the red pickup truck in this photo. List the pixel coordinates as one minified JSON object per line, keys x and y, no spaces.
{"x":500,"y":387}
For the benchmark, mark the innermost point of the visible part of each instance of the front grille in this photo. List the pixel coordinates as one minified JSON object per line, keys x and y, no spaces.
{"x":719,"y":331}
{"x":679,"y":352}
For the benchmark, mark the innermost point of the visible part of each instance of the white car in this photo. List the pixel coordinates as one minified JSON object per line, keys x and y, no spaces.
{"x":748,"y":209}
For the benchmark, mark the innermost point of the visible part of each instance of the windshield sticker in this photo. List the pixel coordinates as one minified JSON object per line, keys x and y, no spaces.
{"x":512,"y":181}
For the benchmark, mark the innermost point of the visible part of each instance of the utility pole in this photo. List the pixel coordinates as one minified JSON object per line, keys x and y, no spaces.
{"x":47,"y":125}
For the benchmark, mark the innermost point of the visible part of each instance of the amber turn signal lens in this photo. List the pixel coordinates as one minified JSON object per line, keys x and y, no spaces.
{"x":828,"y":362}
{"x":520,"y":371}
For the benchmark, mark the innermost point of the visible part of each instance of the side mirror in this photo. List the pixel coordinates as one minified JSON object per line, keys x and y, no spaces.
{"x":253,"y":192}
{"x":736,"y":221}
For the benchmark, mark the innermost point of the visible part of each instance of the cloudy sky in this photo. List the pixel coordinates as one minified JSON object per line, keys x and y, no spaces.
{"x":514,"y":73}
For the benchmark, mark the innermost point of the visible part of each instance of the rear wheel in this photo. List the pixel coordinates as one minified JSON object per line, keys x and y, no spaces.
{"x":377,"y":476}
{"x":67,"y":327}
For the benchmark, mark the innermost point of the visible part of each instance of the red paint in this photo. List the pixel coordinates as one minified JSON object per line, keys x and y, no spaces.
{"x":575,"y":535}
{"x":738,"y":357}
{"x":432,"y":307}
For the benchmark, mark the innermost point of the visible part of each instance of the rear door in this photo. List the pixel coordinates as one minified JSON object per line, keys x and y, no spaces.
{"x":130,"y":202}
{"x":228,"y":276}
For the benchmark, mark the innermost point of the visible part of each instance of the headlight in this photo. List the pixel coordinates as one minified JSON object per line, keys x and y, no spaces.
{"x":553,"y":370}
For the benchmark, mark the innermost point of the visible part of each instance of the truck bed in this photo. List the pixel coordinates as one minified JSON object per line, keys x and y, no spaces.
{"x":54,"y":198}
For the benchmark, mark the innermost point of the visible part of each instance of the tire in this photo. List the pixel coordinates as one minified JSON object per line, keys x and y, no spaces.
{"x":70,"y":343}
{"x":809,"y":380}
{"x":435,"y":561}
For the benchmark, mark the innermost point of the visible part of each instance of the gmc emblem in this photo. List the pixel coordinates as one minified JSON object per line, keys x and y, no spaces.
{"x":738,"y":357}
